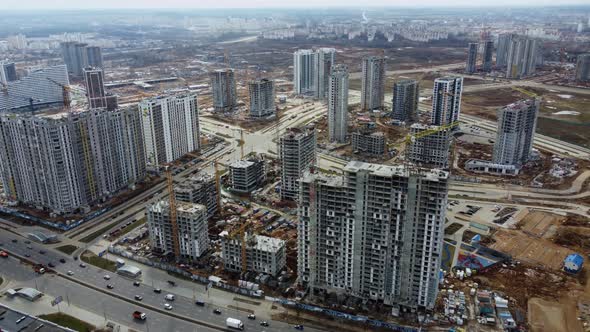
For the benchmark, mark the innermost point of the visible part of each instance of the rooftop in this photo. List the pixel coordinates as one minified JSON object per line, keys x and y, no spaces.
{"x":265,"y":243}
{"x":29,"y":324}
{"x":241,"y":164}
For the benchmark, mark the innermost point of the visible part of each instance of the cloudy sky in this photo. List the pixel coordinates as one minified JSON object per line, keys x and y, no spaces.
{"x":89,"y":4}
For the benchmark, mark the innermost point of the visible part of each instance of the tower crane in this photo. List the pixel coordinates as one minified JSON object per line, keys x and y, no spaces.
{"x":66,"y":89}
{"x":172,"y":212}
{"x":412,"y":138}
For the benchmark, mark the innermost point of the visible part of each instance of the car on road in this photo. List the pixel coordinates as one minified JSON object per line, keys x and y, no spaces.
{"x":169,"y":297}
{"x":264,"y":323}
{"x":157,"y":290}
{"x":251,"y":316}
{"x":70,"y":273}
{"x":136,"y":283}
{"x":42,"y":252}
{"x":14,"y":240}
{"x":138,"y":297}
{"x":27,"y":255}
{"x":62,"y":260}
{"x":200,"y":303}
{"x":82,"y":265}
{"x":171,"y":283}
{"x":107,"y":277}
{"x":27,"y":242}
{"x":109,"y":286}
{"x":217,"y":312}
{"x":167,"y":306}
{"x":3,"y":254}
{"x":298,"y":327}
{"x":50,"y":264}
{"x":29,"y":247}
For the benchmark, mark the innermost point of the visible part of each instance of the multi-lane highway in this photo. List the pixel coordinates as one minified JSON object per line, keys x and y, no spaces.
{"x":86,"y":287}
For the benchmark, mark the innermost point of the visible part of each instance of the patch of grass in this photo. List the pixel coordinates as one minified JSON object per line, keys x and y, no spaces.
{"x":97,"y":233}
{"x":103,"y":263}
{"x":67,"y":249}
{"x":68,"y":321}
{"x":133,"y":226}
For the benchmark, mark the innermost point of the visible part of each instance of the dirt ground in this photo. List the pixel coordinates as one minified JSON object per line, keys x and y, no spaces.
{"x":546,"y":316}
{"x":540,"y":224}
{"x":532,"y":250}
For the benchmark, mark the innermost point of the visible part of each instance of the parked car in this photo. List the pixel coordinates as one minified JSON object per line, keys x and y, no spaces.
{"x":157,"y":290}
{"x":217,"y":312}
{"x":107,"y":277}
{"x":138,"y":297}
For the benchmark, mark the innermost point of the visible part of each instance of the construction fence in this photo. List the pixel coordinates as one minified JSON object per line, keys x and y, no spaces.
{"x":61,"y":226}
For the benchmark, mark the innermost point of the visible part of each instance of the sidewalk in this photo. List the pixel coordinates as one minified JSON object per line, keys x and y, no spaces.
{"x":43,"y":306}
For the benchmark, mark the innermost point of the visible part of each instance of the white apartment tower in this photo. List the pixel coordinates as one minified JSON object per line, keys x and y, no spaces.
{"x":297,"y":153}
{"x":223,"y":89}
{"x":304,"y":72}
{"x":324,"y":61}
{"x":446,"y":100}
{"x":517,"y":123}
{"x":521,"y":60}
{"x":338,"y":104}
{"x":262,"y":98}
{"x":373,"y":83}
{"x":193,"y":233}
{"x":170,"y":127}
{"x":67,"y":162}
{"x":376,"y":233}
{"x":405,"y":101}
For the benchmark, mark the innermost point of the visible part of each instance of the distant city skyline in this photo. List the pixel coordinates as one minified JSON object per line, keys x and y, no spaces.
{"x":153,"y":4}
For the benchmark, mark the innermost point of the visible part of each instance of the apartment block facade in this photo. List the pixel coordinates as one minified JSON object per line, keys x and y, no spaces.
{"x":373,"y":83}
{"x":471,"y":66}
{"x":430,"y":150}
{"x":297,"y":152}
{"x":223,"y":89}
{"x":323,"y":63}
{"x":263,"y":254}
{"x":368,"y":142}
{"x":170,"y":127}
{"x":376,"y":233}
{"x":406,"y":95}
{"x":338,"y":104}
{"x":198,"y":189}
{"x":521,"y":60}
{"x":193,"y":232}
{"x":262,"y":98}
{"x":517,"y":124}
{"x":68,"y":162}
{"x":247,"y":175}
{"x":446,"y":100}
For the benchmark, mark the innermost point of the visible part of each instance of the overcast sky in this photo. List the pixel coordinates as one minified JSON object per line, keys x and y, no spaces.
{"x":90,"y":4}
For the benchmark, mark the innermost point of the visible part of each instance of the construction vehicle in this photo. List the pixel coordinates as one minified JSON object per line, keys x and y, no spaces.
{"x":139,"y":315}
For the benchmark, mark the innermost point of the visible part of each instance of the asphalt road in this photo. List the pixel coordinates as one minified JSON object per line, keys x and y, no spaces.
{"x":98,"y":301}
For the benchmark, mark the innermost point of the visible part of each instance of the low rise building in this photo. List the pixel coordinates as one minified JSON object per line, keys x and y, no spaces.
{"x":263,"y":254}
{"x":372,"y":143}
{"x":247,"y":175}
{"x":199,"y":189}
{"x":193,"y":233}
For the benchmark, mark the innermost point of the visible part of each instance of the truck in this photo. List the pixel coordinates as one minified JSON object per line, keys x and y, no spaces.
{"x":234,"y":323}
{"x":139,"y":315}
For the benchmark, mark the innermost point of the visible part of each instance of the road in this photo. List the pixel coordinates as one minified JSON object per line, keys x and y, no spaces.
{"x":85,"y":296}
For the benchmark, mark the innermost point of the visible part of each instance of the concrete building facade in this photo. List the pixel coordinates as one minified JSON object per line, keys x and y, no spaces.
{"x":304,"y":74}
{"x":338,"y":105}
{"x":94,"y":57}
{"x":583,"y":68}
{"x":297,"y":152}
{"x":198,"y":189}
{"x":517,"y":123}
{"x":263,"y":254}
{"x":446,"y":100}
{"x":223,"y":89}
{"x":521,"y":60}
{"x":40,"y":88}
{"x":96,"y":95}
{"x":247,"y":175}
{"x":170,"y":127}
{"x":262,"y":98}
{"x":487,"y":56}
{"x":193,"y":232}
{"x":7,"y":72}
{"x":70,"y":161}
{"x":373,"y":83}
{"x":368,"y":142}
{"x":471,"y":66}
{"x":406,"y":94}
{"x":376,"y":233}
{"x":430,"y":150}
{"x":78,"y":56}
{"x":504,"y":41}
{"x":324,"y":61}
